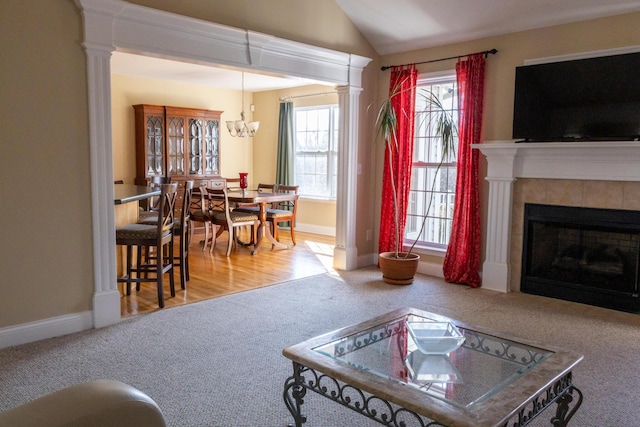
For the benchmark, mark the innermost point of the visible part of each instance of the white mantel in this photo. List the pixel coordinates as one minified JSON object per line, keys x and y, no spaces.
{"x":508,"y":160}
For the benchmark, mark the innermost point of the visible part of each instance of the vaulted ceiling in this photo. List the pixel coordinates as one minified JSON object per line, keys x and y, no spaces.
{"x":405,"y":25}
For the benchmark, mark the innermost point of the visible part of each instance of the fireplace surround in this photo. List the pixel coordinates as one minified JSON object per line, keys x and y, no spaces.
{"x":584,"y":174}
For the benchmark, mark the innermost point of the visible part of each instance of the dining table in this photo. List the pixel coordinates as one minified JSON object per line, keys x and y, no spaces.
{"x":261,"y":199}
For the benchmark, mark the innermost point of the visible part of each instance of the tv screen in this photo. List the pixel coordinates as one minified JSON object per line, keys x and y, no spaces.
{"x":590,"y":99}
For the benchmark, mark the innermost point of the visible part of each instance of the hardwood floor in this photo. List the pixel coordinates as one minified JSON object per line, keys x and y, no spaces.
{"x":215,"y":274}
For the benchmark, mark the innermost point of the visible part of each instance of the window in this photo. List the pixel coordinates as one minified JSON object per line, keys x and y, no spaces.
{"x":316,"y":151}
{"x":433,"y":183}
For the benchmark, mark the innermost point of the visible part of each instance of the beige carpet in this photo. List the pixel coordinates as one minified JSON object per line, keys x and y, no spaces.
{"x":219,"y":362}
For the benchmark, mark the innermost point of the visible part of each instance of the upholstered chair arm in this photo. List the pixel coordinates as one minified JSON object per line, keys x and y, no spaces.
{"x":100,"y":403}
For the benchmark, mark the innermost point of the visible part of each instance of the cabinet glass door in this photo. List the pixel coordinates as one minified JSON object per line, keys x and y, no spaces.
{"x":195,"y":147}
{"x":211,"y":147}
{"x":175,"y":135}
{"x":154,"y":146}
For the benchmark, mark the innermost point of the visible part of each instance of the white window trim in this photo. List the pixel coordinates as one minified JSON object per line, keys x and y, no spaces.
{"x":424,"y":248}
{"x":334,"y":141}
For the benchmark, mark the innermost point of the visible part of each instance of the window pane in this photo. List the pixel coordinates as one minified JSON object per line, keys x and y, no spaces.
{"x":316,"y":140}
{"x":312,"y":120}
{"x":433,"y":179}
{"x":323,"y":119}
{"x":301,"y":120}
{"x":323,"y":140}
{"x":311,"y":141}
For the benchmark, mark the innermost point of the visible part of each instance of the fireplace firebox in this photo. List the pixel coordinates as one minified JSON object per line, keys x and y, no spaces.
{"x":586,"y":255}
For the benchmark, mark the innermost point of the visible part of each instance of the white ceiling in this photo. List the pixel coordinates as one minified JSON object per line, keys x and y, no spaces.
{"x":183,"y":72}
{"x":393,"y":27}
{"x":405,"y":25}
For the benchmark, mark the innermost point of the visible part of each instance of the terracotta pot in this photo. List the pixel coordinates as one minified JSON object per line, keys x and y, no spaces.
{"x":400,"y":270}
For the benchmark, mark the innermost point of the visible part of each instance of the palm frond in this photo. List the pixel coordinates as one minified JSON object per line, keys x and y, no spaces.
{"x":387,"y":127}
{"x":386,"y":122}
{"x":447,"y":130}
{"x":446,"y":126}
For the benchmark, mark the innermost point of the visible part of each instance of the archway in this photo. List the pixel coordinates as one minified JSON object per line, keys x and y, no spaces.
{"x":116,"y":25}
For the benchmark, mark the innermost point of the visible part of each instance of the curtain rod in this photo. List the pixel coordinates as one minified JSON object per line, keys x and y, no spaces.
{"x":284,"y":98}
{"x":485,"y":52}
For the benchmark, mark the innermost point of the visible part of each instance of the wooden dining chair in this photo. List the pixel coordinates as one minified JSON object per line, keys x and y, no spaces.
{"x":158,"y":236}
{"x":228,"y":219}
{"x":254,"y":208}
{"x":233,"y":183}
{"x":200,"y":213}
{"x":262,"y":188}
{"x":284,"y":211}
{"x":266,"y":188}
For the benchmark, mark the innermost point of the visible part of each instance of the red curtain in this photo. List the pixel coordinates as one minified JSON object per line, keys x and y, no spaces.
{"x":462,"y":261}
{"x":403,"y":86}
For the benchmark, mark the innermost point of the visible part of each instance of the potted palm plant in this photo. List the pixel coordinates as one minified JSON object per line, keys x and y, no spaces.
{"x":399,"y":266}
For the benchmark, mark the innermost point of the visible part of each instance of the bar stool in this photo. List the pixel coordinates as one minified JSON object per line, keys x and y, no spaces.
{"x":159,"y":236}
{"x":181,"y":228}
{"x":149,"y":207}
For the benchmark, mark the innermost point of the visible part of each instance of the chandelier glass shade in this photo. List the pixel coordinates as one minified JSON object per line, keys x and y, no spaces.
{"x":241,"y":128}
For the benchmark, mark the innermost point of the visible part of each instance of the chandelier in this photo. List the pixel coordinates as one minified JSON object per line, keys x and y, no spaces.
{"x":241,"y":128}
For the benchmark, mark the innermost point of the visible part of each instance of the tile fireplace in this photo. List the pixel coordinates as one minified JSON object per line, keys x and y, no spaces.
{"x":603,"y":174}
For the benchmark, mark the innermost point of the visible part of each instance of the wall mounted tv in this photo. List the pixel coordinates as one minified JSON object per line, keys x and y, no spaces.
{"x":594,"y":99}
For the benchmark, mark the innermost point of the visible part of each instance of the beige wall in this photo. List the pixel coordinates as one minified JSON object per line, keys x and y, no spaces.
{"x":45,"y":245}
{"x":513,"y":50}
{"x":319,"y":23}
{"x":236,"y":154}
{"x":46,"y":248}
{"x":313,"y":215}
{"x":46,"y":255}
{"x":257,"y":155}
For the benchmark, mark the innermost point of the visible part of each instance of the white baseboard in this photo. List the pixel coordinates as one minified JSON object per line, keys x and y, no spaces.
{"x":431,"y":269}
{"x":46,"y":328}
{"x":428,"y":268}
{"x":68,"y":324}
{"x":315,"y":229}
{"x":367,"y":260}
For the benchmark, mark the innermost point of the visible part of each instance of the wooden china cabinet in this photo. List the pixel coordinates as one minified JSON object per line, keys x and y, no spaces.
{"x":175,"y":142}
{"x":150,"y":130}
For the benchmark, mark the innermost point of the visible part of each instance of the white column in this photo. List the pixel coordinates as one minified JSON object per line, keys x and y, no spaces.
{"x":500,"y":174}
{"x":106,"y":299}
{"x":496,"y":268}
{"x":345,"y":253}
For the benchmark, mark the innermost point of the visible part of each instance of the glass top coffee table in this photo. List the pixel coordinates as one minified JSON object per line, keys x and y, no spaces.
{"x":421,"y":369}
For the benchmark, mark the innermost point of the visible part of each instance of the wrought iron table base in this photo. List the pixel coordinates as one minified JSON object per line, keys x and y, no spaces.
{"x":391,"y":415}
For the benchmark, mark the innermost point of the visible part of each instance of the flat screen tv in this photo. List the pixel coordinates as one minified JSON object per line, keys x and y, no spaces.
{"x":594,"y":99}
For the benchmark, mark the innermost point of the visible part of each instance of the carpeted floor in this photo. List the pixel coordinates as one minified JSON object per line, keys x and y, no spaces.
{"x":220,"y":363}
